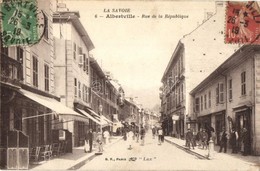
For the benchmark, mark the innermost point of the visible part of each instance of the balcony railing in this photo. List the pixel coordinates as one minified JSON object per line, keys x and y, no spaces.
{"x":11,"y":70}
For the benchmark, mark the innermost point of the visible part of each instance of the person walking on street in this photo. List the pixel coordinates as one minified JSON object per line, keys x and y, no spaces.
{"x":89,"y":139}
{"x":153,"y":131}
{"x":130,"y":139}
{"x":137,"y":134}
{"x":160,"y":134}
{"x":223,"y":140}
{"x":142,"y":133}
{"x":245,"y":142}
{"x":233,"y":140}
{"x":204,"y":139}
{"x":106,"y":137}
{"x":189,"y":139}
{"x":198,"y":138}
{"x":99,"y":141}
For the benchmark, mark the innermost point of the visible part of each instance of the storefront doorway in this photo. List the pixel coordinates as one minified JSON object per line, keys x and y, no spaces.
{"x":220,"y":123}
{"x":243,"y":120}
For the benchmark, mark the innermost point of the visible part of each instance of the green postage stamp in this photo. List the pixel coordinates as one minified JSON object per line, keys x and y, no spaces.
{"x":19,"y":22}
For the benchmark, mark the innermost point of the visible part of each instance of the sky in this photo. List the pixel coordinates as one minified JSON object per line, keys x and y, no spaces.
{"x":137,"y":50}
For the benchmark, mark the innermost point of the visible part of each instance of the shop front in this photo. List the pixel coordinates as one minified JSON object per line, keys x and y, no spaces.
{"x":243,"y":120}
{"x":36,"y":116}
{"x":219,"y":124}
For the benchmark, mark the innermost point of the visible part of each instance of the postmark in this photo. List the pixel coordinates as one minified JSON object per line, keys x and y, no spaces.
{"x":242,"y":23}
{"x":19,"y":22}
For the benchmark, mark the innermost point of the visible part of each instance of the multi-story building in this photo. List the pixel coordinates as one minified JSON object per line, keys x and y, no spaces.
{"x":190,"y":62}
{"x":229,"y":96}
{"x":130,"y":111}
{"x":104,"y":96}
{"x":72,"y":70}
{"x":28,"y":101}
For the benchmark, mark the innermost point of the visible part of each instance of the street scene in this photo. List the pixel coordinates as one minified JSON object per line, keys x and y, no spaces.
{"x":129,"y":85}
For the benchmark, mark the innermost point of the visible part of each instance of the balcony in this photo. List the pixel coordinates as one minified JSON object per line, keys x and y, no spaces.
{"x":11,"y":71}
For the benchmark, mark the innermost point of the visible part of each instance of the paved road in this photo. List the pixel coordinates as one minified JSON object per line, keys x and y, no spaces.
{"x":152,"y":156}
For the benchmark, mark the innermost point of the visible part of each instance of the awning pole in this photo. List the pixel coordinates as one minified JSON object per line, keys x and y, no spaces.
{"x":30,"y":117}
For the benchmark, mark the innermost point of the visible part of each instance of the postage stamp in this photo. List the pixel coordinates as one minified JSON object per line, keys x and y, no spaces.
{"x":19,"y":22}
{"x":242,"y":23}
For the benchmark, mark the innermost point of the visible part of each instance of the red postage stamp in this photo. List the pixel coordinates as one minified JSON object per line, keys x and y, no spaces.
{"x":242,"y":23}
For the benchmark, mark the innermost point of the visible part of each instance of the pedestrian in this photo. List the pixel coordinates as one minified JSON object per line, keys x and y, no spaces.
{"x":160,"y":133}
{"x":106,"y":137}
{"x":124,"y":134}
{"x":233,"y":140}
{"x":137,"y":134}
{"x":189,"y":139}
{"x":213,"y":136}
{"x":223,"y":140}
{"x":153,"y":131}
{"x":89,"y":140}
{"x":198,"y":138}
{"x":246,"y":142}
{"x":204,"y":139}
{"x":99,"y":141}
{"x":142,"y":134}
{"x":130,"y":139}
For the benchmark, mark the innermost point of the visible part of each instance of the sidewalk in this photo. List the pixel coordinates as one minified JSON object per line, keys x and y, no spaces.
{"x":251,"y":160}
{"x":70,"y":160}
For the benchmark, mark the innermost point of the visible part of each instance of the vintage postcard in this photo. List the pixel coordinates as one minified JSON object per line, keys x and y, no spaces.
{"x":129,"y":85}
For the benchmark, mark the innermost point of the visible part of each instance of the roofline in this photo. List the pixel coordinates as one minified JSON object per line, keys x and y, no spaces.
{"x":178,"y":47}
{"x":96,"y":66}
{"x":73,"y":16}
{"x":244,"y":49}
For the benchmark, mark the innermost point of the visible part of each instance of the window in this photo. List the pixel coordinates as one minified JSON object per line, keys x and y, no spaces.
{"x":181,"y":63}
{"x":19,"y":54}
{"x":35,"y":71}
{"x":243,"y":83}
{"x":85,"y":93}
{"x":221,"y":93}
{"x":46,"y":77}
{"x":75,"y":87}
{"x":74,"y":51}
{"x":182,"y":95}
{"x":205,"y":101}
{"x":179,"y":95}
{"x":201,"y":103}
{"x":79,"y":84}
{"x":197,"y":104}
{"x":209,"y":99}
{"x":4,"y":50}
{"x":46,"y":29}
{"x":230,"y":89}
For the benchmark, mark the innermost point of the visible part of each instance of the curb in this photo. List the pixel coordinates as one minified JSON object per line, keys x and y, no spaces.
{"x":90,"y":157}
{"x":188,"y":150}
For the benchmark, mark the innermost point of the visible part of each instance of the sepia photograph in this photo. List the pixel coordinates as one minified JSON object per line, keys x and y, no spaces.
{"x":104,"y":85}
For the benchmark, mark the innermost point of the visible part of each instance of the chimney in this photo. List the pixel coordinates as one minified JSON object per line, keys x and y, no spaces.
{"x":61,"y":7}
{"x":219,"y":5}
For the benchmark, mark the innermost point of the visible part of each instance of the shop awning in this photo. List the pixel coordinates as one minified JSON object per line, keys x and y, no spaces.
{"x":94,"y":114}
{"x":88,"y":115}
{"x":54,"y":105}
{"x":105,"y":119}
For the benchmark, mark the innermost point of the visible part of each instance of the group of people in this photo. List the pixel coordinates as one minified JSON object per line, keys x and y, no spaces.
{"x":203,"y":137}
{"x":132,"y":133}
{"x":236,"y":142}
{"x":96,"y":139}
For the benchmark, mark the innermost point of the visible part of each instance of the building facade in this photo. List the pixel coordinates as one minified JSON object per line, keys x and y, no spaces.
{"x":229,"y":97}
{"x":186,"y":69}
{"x":72,"y":70}
{"x":27,"y":73}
